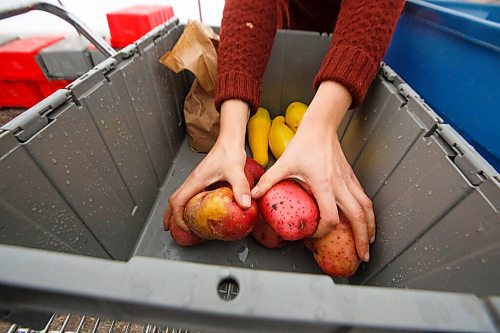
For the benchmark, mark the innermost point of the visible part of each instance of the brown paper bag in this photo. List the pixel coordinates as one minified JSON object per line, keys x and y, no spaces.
{"x":195,"y":51}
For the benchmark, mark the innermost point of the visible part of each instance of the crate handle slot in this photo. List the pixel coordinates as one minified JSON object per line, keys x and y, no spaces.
{"x":15,"y":7}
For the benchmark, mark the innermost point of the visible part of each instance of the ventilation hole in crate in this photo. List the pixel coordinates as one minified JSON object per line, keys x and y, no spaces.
{"x":228,"y":289}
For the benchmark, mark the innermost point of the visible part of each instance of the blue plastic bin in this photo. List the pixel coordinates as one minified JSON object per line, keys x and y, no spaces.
{"x":449,"y":52}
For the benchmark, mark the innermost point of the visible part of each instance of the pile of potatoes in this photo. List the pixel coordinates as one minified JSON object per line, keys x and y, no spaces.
{"x":284,"y":214}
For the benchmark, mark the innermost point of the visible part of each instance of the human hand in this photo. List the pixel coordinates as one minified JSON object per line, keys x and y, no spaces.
{"x":315,"y":157}
{"x":225,"y":161}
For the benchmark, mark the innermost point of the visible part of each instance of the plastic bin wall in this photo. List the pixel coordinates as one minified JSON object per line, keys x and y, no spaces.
{"x":89,"y":177}
{"x":100,"y":158}
{"x":452,"y":59}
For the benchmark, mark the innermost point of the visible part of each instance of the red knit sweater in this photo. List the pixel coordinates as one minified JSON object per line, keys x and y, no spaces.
{"x":361,"y":30}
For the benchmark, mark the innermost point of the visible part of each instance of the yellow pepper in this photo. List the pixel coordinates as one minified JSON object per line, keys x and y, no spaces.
{"x":258,"y":135}
{"x":294,"y":113}
{"x":279,"y":136}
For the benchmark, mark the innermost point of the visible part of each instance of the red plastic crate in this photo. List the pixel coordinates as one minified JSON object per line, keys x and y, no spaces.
{"x":129,"y":24}
{"x":48,"y":87}
{"x":19,"y":93}
{"x":18,"y":58}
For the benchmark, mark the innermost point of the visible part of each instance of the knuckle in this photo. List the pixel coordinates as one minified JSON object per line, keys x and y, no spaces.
{"x":366,"y":203}
{"x":359,"y":214}
{"x":330,"y":218}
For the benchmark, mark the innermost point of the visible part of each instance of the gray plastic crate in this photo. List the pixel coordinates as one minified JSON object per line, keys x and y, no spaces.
{"x":67,"y":59}
{"x":96,"y":56}
{"x":90,"y":168}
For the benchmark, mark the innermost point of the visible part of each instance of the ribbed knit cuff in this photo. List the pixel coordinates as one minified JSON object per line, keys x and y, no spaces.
{"x":235,"y":85}
{"x":350,"y":66}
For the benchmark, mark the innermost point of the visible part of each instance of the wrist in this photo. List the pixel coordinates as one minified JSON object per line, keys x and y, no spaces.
{"x":328,"y":107}
{"x":233,"y":121}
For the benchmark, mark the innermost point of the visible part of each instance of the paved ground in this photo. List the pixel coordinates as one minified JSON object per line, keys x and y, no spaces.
{"x":7,"y":114}
{"x":89,"y":323}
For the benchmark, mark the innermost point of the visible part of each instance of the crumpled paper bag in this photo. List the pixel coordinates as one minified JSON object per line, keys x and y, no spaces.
{"x":196,"y":52}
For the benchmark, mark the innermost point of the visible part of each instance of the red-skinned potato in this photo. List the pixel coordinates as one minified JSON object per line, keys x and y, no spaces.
{"x":265,"y":235}
{"x":254,"y":168}
{"x":182,"y":237}
{"x":216,"y":215}
{"x":290,"y":210}
{"x":336,"y":253}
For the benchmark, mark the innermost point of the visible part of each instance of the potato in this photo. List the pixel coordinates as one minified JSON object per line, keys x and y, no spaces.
{"x":180,"y":236}
{"x":335,"y":253}
{"x":255,"y":169}
{"x":290,"y":210}
{"x":216,"y":215}
{"x":265,"y":235}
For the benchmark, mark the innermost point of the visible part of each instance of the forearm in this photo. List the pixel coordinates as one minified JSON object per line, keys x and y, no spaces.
{"x":361,"y":36}
{"x":247,"y":33}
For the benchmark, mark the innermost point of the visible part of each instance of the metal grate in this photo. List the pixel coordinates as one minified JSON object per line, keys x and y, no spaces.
{"x":72,"y":323}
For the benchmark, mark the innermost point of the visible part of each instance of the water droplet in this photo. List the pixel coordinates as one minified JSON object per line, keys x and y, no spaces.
{"x":484,"y":261}
{"x":480,"y":229}
{"x":243,"y":255}
{"x":429,"y":193}
{"x":54,"y":161}
{"x":102,"y":121}
{"x":399,"y":213}
{"x":33,"y":209}
{"x":67,"y":182}
{"x":67,"y":171}
{"x":320,"y":314}
{"x":467,"y":235}
{"x":399,"y":137}
{"x":429,"y":143}
{"x":51,"y":136}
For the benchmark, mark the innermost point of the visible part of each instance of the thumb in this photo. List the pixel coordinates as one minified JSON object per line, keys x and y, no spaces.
{"x":241,"y":189}
{"x":268,"y":179}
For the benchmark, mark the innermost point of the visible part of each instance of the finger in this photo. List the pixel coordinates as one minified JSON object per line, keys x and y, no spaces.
{"x":329,"y":217}
{"x":241,"y":189}
{"x":268,"y":179}
{"x":166,"y":218}
{"x":193,"y":185}
{"x":357,"y":217}
{"x":365,"y":203}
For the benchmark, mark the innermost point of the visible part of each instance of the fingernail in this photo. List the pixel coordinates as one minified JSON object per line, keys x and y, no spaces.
{"x":372,"y":240}
{"x":245,"y":200}
{"x":367,"y":257}
{"x":255,"y":190}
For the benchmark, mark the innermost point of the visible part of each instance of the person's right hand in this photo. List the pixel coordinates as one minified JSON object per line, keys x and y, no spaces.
{"x":225,"y":161}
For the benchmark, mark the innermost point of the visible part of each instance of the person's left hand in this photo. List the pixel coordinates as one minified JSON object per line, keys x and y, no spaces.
{"x":315,"y":157}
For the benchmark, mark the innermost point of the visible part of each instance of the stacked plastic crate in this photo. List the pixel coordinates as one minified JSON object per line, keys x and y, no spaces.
{"x":22,"y":81}
{"x":129,"y":24}
{"x":35,"y":67}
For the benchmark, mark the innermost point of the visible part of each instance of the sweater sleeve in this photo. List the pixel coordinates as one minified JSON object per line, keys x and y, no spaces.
{"x":362,"y":34}
{"x":246,"y":38}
